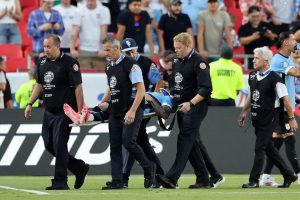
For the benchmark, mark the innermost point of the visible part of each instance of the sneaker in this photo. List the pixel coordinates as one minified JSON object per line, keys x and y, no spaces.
{"x":298,"y":178}
{"x":80,"y":177}
{"x":149,"y":181}
{"x":218,"y":181}
{"x":166,"y":182}
{"x":268,"y":181}
{"x":85,"y":114}
{"x":250,"y":185}
{"x":74,"y":116}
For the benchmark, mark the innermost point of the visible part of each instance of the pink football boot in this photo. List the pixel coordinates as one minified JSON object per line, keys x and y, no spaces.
{"x":74,"y":116}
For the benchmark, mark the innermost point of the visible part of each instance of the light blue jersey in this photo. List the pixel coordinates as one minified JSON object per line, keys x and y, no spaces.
{"x":164,"y":100}
{"x":281,"y":65}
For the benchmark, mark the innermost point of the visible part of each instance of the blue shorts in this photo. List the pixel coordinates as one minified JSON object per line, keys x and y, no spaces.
{"x":9,"y":34}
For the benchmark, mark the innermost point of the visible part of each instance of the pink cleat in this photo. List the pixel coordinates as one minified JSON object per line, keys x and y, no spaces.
{"x":85,"y":114}
{"x":74,"y":116}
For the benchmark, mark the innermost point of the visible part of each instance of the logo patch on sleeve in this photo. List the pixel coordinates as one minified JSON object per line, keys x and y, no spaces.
{"x":134,"y":67}
{"x":75,"y":67}
{"x":202,"y":66}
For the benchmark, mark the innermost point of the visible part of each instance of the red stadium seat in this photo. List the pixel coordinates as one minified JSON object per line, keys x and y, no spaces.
{"x":274,"y":49}
{"x":28,"y":3}
{"x":16,"y":64}
{"x":26,"y":12}
{"x":26,"y":40}
{"x":11,"y":51}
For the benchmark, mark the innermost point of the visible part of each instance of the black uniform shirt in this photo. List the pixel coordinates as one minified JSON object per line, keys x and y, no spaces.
{"x":59,"y":79}
{"x":190,"y":76}
{"x":263,"y":97}
{"x":120,"y":85}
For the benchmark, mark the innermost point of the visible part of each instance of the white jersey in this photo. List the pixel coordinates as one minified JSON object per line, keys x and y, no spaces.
{"x":68,"y":16}
{"x":90,"y":22}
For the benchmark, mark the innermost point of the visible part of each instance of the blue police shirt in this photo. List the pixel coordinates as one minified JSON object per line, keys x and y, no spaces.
{"x":281,"y":65}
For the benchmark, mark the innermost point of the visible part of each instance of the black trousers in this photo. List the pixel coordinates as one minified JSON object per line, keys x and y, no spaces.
{"x":189,"y":125}
{"x":55,"y":133}
{"x":264,"y":145}
{"x":119,"y":134}
{"x":290,"y":151}
{"x":201,"y":172}
{"x":222,"y":102}
{"x":143,"y":141}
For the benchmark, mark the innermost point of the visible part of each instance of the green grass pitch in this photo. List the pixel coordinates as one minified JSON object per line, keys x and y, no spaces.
{"x":27,"y":187}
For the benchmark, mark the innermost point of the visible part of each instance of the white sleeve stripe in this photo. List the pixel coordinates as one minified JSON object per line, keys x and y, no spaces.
{"x":288,"y":69}
{"x":281,"y":90}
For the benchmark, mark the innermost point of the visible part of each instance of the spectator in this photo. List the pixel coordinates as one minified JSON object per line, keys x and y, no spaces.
{"x":284,"y":13}
{"x":42,"y":22}
{"x":67,"y":11}
{"x":171,"y":24}
{"x":5,"y":85}
{"x":192,"y":9}
{"x":255,"y":33}
{"x":114,"y":8}
{"x":265,"y":6}
{"x":24,"y":92}
{"x":227,"y":79}
{"x":211,"y":26}
{"x":90,"y":26}
{"x":136,"y":23}
{"x":10,"y":13}
{"x":154,"y":26}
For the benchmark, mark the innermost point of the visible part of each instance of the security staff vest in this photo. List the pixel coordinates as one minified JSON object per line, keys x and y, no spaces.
{"x":120,"y":86}
{"x":263,"y":96}
{"x":184,"y":78}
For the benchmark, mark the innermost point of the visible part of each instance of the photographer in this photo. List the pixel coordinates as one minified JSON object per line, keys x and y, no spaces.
{"x":255,"y":33}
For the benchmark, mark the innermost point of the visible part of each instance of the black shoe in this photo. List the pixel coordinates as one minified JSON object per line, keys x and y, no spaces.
{"x":57,"y":187}
{"x":288,"y":182}
{"x":166,"y":182}
{"x":156,"y":184}
{"x":125,"y":184}
{"x":250,"y":185}
{"x":113,"y":186}
{"x":200,"y":185}
{"x":80,"y":177}
{"x":149,"y":181}
{"x":215,"y":182}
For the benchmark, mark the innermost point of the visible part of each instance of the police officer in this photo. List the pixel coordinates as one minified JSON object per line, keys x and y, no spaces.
{"x":190,"y":86}
{"x":126,"y":92}
{"x":58,"y":75}
{"x":151,"y":78}
{"x":265,"y":86}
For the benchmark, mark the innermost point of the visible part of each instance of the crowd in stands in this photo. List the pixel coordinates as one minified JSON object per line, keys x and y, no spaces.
{"x":242,"y":25}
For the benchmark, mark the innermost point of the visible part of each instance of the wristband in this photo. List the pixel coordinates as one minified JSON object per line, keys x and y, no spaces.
{"x":292,"y":118}
{"x":29,"y":104}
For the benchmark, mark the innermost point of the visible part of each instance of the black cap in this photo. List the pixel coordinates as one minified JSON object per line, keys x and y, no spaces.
{"x":174,"y":2}
{"x":209,"y":1}
{"x":128,"y":44}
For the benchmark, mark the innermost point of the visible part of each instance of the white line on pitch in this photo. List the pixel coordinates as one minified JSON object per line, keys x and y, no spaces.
{"x":24,"y":190}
